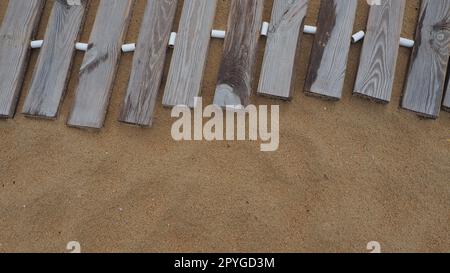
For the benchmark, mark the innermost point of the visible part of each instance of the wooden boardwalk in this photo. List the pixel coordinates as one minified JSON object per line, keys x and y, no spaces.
{"x":424,"y":91}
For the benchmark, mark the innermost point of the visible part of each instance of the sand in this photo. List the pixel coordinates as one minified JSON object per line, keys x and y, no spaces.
{"x":346,"y":173}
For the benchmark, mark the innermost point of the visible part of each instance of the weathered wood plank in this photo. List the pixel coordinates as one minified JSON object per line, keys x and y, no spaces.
{"x":378,"y":62}
{"x":19,"y":25}
{"x":329,"y":56}
{"x":234,"y":86}
{"x":55,"y":60}
{"x":285,"y":32}
{"x":189,"y":57}
{"x":100,"y":64}
{"x":148,"y":63}
{"x":426,"y":79}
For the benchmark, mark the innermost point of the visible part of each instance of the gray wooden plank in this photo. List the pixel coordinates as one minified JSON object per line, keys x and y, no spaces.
{"x":55,"y":60}
{"x":329,"y":56}
{"x":19,"y":25}
{"x":378,"y":62}
{"x":426,"y":79}
{"x":148,"y":63}
{"x":191,"y":49}
{"x":100,"y":64}
{"x":234,"y":85}
{"x":285,"y":32}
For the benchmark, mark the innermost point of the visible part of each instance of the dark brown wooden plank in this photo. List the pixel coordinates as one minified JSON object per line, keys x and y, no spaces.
{"x":17,"y":30}
{"x":426,"y":79}
{"x":378,"y":62}
{"x":100,"y":64}
{"x":328,"y":64}
{"x":148,"y":63}
{"x":285,"y":32}
{"x":55,"y":60}
{"x":234,"y":86}
{"x":191,"y":49}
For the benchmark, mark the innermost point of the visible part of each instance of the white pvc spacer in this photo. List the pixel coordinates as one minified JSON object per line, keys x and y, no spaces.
{"x":37,"y":44}
{"x":358,"y":36}
{"x":218,"y":34}
{"x":82,"y":46}
{"x":128,"y":48}
{"x":310,"y":29}
{"x":406,"y":42}
{"x":265,"y":29}
{"x":172,"y":39}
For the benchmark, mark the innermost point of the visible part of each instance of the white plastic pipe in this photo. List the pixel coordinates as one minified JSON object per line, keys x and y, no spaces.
{"x":403,"y":41}
{"x":172,"y":39}
{"x":82,"y":46}
{"x":128,"y":48}
{"x":358,"y":36}
{"x":406,"y":42}
{"x":218,"y":34}
{"x":265,"y":29}
{"x":37,"y":44}
{"x":310,"y":29}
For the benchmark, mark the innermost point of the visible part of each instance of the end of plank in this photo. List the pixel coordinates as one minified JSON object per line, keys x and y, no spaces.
{"x":226,"y":96}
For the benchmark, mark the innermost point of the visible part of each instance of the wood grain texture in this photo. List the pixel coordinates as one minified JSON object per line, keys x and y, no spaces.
{"x":189,"y":57}
{"x":148,"y":63}
{"x":100,"y":64}
{"x":328,"y":64}
{"x":17,"y":30}
{"x":378,"y":62}
{"x":234,"y":86}
{"x":426,"y":79}
{"x":55,"y":60}
{"x":285,"y":32}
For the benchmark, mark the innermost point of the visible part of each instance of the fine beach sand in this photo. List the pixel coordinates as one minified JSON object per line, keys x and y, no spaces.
{"x":346,"y":173}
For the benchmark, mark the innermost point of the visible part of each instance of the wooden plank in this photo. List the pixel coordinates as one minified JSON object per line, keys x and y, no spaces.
{"x":148,"y":63}
{"x":19,"y":25}
{"x":100,"y":64}
{"x":378,"y":62}
{"x":234,"y":86}
{"x":191,"y":49}
{"x":426,"y":79}
{"x":285,"y":32}
{"x":55,"y":60}
{"x":328,"y":65}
